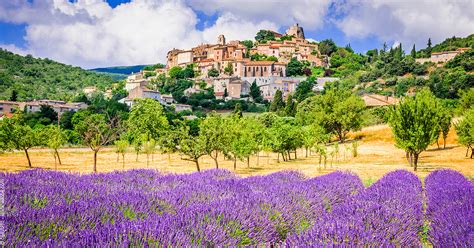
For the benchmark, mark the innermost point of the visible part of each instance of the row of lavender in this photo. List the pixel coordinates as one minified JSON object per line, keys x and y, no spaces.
{"x":216,"y":208}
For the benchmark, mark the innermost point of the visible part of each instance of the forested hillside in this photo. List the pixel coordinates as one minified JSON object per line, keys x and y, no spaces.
{"x":35,"y":78}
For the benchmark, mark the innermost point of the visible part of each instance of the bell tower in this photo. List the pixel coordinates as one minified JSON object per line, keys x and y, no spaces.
{"x":221,"y":40}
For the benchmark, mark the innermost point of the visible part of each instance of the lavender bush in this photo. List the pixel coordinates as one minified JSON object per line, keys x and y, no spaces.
{"x":450,"y":209}
{"x":212,"y":208}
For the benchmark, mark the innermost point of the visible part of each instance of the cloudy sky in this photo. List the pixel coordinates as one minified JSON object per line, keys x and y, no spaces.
{"x":98,"y":33}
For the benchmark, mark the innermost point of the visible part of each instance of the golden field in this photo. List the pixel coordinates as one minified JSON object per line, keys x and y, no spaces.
{"x":377,"y":155}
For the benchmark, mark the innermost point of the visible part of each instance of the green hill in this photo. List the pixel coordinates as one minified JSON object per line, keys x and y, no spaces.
{"x":35,"y":78}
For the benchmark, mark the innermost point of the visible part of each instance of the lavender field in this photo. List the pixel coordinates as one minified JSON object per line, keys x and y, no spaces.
{"x":216,"y":208}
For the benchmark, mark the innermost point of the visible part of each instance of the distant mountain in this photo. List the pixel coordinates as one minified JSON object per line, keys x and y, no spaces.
{"x":124,"y":70}
{"x":25,"y":78}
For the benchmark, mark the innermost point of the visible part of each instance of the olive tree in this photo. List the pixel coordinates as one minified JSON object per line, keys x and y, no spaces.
{"x":214,"y":136}
{"x":54,"y":138}
{"x":414,"y":122}
{"x":96,"y":130}
{"x":465,"y":131}
{"x":121,"y":146}
{"x":191,"y":147}
{"x":15,"y":135}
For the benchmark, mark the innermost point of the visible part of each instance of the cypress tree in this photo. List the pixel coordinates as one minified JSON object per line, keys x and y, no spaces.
{"x":277,"y":102}
{"x":413,"y":52}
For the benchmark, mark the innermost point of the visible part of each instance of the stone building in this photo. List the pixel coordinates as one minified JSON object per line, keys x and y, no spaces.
{"x":295,"y":31}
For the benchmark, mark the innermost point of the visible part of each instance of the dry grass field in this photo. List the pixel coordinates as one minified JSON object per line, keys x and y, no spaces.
{"x":377,"y":155}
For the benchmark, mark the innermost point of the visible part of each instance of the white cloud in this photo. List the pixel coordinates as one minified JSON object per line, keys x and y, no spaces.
{"x":407,"y":21}
{"x":308,"y":13}
{"x":90,"y":33}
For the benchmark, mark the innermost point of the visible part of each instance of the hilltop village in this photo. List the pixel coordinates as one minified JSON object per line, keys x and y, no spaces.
{"x":230,"y":67}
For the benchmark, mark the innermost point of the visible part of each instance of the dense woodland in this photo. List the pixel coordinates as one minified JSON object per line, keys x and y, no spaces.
{"x":28,"y":78}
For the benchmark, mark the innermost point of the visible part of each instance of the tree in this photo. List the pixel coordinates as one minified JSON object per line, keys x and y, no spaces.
{"x":96,"y":130}
{"x":149,"y":147}
{"x":15,"y":135}
{"x":147,"y":118}
{"x":213,"y":72}
{"x":465,"y":131}
{"x":264,"y":36}
{"x":226,"y":94}
{"x":466,"y":101}
{"x":193,"y":147}
{"x":338,"y":111}
{"x":213,"y":135}
{"x":445,"y":119}
{"x":174,"y":71}
{"x":255,"y":92}
{"x":413,"y":52}
{"x":172,"y":137}
{"x":229,"y":69}
{"x":54,"y":138}
{"x":304,"y":90}
{"x":121,"y":146}
{"x":294,"y":68}
{"x":14,"y":96}
{"x":428,"y":47}
{"x":414,"y":123}
{"x":327,"y":47}
{"x":277,"y":102}
{"x":290,"y":106}
{"x":237,"y":110}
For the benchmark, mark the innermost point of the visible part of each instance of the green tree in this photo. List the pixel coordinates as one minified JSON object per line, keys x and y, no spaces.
{"x":96,"y":130}
{"x":327,"y":47}
{"x":290,"y":106}
{"x":294,"y":68}
{"x":338,"y":111}
{"x":229,"y":69}
{"x":465,"y":131}
{"x":277,"y":102}
{"x":255,"y":92}
{"x":413,"y":52}
{"x":121,"y":146}
{"x":149,"y":148}
{"x":445,"y":119}
{"x":54,"y":139}
{"x":414,"y":123}
{"x":174,"y":71}
{"x":304,"y":90}
{"x":428,"y":47}
{"x":214,"y":136}
{"x":15,"y":135}
{"x":237,"y":110}
{"x":147,"y":118}
{"x":466,"y":101}
{"x":192,"y":147}
{"x":213,"y":72}
{"x":264,"y":36}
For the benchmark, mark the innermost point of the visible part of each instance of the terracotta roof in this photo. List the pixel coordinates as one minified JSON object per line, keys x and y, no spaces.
{"x":219,"y":93}
{"x":274,"y":46}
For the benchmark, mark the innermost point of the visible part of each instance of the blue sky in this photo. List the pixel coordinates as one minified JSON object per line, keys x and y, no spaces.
{"x":97,"y":33}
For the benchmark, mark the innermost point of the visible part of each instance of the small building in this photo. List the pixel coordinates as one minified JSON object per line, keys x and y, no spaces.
{"x":182,"y":107}
{"x":442,"y":57}
{"x":58,"y":106}
{"x":167,"y":99}
{"x":7,"y":108}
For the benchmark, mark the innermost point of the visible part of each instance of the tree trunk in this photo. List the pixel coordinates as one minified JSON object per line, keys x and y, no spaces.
{"x":95,"y":161}
{"x":215,"y":159}
{"x":296,"y":151}
{"x":118,"y":157}
{"x":55,"y":164}
{"x":197,"y":165}
{"x":467,"y":151}
{"x":278,"y":157}
{"x":59,"y":159}
{"x":28,"y":158}
{"x":137,"y":157}
{"x":415,"y":161}
{"x":306,"y":151}
{"x":235,"y":163}
{"x":444,"y":142}
{"x":248,"y":162}
{"x":437,"y":142}
{"x":320,"y":158}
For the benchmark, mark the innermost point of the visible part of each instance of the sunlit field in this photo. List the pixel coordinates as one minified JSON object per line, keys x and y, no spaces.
{"x":377,"y":155}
